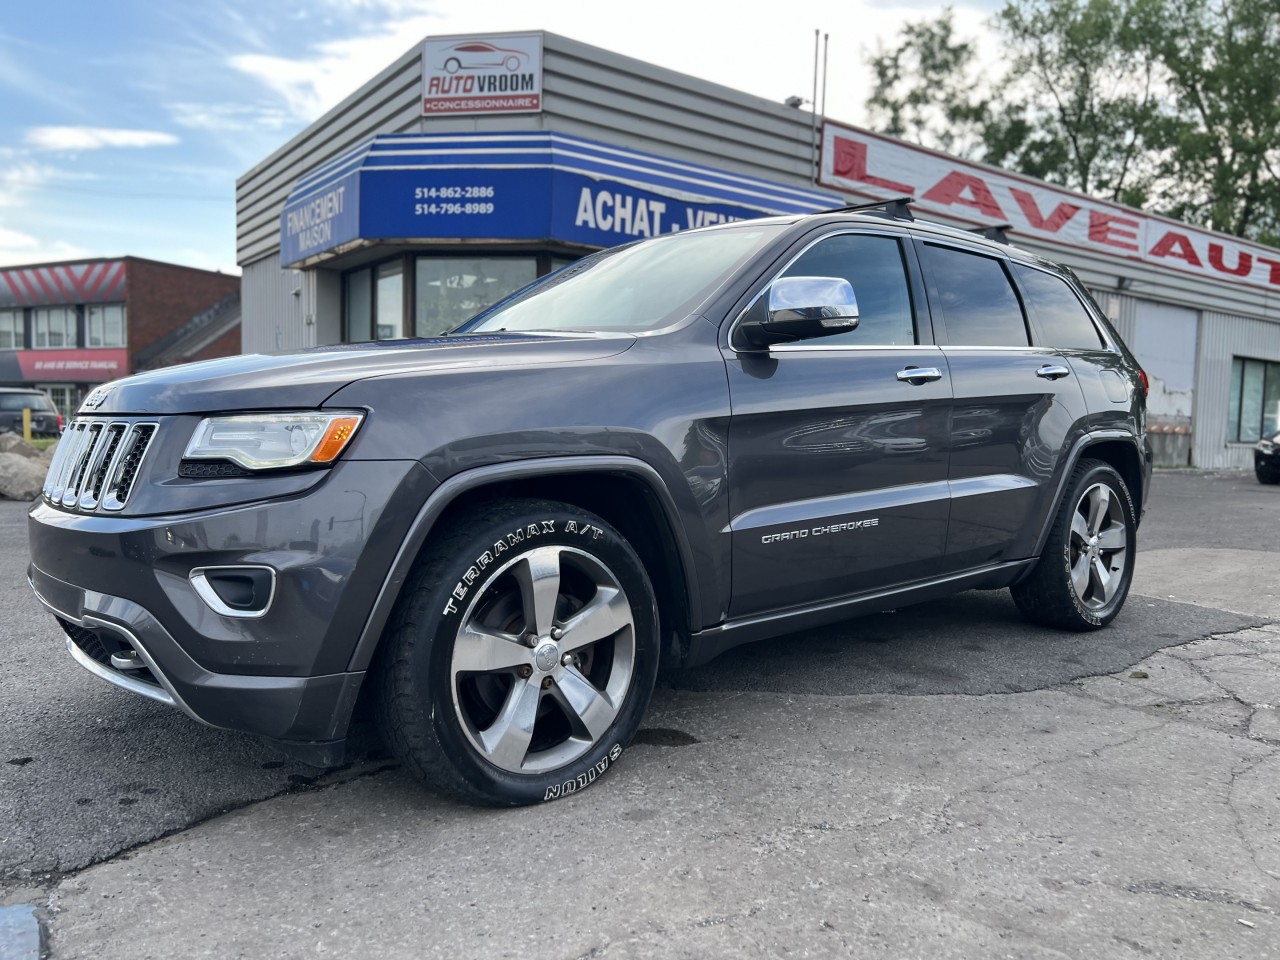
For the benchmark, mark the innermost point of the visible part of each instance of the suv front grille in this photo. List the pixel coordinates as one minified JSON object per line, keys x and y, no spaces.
{"x":96,"y":463}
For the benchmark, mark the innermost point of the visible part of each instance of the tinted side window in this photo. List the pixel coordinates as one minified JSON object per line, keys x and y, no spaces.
{"x":875,"y":269}
{"x":978,"y":304}
{"x":1058,"y":318}
{"x":17,"y":401}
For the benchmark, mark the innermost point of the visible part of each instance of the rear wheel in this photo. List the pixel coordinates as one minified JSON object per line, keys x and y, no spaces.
{"x":522,"y":656}
{"x":1082,"y":578}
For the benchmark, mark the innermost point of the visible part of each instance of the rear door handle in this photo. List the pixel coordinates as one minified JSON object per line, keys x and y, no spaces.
{"x":918,"y":375}
{"x":1052,"y":372}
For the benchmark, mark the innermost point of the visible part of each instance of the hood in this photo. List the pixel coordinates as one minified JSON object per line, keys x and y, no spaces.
{"x":305,"y":380}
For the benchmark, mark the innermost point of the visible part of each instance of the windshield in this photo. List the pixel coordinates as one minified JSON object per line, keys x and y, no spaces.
{"x":639,"y":287}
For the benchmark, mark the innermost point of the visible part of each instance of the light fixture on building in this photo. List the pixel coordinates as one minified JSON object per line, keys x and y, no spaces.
{"x":794,"y":102}
{"x":1124,"y":283}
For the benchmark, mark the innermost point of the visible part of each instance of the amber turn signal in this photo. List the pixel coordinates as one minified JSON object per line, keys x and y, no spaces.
{"x":336,"y":437}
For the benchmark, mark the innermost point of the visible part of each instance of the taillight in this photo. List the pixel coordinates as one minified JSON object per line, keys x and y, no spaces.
{"x":1146,"y":386}
{"x":61,"y":423}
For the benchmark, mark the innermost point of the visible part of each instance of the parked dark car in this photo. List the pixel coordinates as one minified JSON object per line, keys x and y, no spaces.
{"x":659,"y":452}
{"x":1266,"y":459}
{"x":46,"y":421}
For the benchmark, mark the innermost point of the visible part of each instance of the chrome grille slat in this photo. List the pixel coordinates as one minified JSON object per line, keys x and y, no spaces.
{"x":73,"y":457}
{"x":97,"y":463}
{"x":104,"y":456}
{"x":60,"y":454}
{"x":58,"y":468}
{"x":92,"y":433}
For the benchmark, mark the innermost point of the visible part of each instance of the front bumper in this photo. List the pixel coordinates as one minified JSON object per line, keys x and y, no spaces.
{"x":125,"y":586}
{"x":307,"y":717}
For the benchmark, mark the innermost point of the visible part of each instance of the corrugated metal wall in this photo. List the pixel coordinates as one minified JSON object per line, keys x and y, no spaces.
{"x":1222,"y":337}
{"x":281,"y":321}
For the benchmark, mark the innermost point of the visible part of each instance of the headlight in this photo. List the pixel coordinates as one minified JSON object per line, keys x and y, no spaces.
{"x":272,"y":441}
{"x":1265,"y":446}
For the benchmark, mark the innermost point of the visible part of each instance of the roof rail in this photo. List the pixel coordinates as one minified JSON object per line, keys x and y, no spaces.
{"x":896,"y":209}
{"x":997,"y":232}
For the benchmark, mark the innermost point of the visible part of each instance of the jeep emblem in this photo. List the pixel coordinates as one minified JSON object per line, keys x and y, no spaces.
{"x":96,"y":398}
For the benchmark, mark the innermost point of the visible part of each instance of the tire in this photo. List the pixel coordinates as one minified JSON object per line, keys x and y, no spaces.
{"x":1266,"y":476}
{"x":498,"y":692}
{"x":452,"y":65}
{"x":1083,"y":576}
{"x":512,"y":64}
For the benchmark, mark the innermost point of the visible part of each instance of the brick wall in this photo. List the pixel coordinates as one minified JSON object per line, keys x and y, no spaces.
{"x":227,"y":345}
{"x":160,"y":297}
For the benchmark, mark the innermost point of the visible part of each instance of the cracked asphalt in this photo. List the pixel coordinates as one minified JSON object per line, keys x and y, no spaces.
{"x":941,"y":781}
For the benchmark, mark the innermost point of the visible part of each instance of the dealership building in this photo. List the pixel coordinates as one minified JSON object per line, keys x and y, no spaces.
{"x":472,"y":165}
{"x":67,"y":327}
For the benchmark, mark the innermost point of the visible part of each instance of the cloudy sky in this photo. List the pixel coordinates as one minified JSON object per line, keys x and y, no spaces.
{"x":125,"y":123}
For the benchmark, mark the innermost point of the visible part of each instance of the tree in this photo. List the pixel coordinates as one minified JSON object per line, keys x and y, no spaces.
{"x":1173,"y":105}
{"x":928,"y":89}
{"x":1221,"y":139}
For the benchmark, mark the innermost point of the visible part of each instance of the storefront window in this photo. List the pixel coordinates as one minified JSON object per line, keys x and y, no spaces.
{"x":1253,"y":410}
{"x":11,"y":332}
{"x":54,"y":327}
{"x":389,"y":301}
{"x":450,"y":290}
{"x":105,"y":325}
{"x":65,"y":397}
{"x":374,"y":302}
{"x":359,"y":304}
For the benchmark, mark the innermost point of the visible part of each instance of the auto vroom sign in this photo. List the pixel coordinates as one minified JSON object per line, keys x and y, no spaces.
{"x":496,"y":73}
{"x":856,"y":161}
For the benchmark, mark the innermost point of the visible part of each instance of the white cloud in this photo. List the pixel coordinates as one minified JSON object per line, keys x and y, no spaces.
{"x":17,"y":178}
{"x":94,"y":138}
{"x":312,"y":84}
{"x":17,"y":248}
{"x":739,"y":52}
{"x":219,"y":117}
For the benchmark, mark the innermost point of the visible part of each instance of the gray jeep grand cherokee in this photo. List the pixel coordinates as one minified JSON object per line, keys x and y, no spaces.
{"x":659,"y":452}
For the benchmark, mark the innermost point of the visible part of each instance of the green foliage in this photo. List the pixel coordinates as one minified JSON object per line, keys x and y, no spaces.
{"x":1172,"y":105}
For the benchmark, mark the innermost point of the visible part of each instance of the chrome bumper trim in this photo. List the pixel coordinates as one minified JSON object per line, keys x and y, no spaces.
{"x":166,"y":694}
{"x":120,"y":680}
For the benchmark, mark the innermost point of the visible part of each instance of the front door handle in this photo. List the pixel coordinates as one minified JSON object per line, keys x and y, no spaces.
{"x":1052,"y":372}
{"x":918,"y":375}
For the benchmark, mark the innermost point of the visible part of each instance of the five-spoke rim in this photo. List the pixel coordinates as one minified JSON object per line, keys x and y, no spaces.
{"x":1099,"y":546}
{"x":543,"y":659}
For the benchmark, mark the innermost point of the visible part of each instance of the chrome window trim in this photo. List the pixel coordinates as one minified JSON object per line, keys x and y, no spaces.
{"x":838,"y":348}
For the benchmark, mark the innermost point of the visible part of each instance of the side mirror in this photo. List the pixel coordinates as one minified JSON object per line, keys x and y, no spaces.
{"x":799,"y":308}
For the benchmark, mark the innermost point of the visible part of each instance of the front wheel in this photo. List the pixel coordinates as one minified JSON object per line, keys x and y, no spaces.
{"x":1083,"y":575}
{"x":1267,"y":475}
{"x":522,"y":656}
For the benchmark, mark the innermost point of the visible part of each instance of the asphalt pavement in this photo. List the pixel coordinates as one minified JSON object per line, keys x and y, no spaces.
{"x":941,"y":780}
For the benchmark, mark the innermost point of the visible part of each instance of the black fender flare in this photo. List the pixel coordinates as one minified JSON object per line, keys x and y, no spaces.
{"x":1078,"y":450}
{"x":440,"y":499}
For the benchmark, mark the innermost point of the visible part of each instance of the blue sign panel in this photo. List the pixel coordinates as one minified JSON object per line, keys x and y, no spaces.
{"x":320,"y":218}
{"x":605,"y":213}
{"x":516,"y":186}
{"x":447,"y":202}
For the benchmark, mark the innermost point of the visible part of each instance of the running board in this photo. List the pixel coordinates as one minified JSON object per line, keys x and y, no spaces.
{"x":710,"y":643}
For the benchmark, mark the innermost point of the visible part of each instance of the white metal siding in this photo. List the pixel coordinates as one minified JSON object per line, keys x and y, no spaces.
{"x":279,"y":316}
{"x":1223,"y":336}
